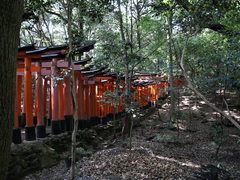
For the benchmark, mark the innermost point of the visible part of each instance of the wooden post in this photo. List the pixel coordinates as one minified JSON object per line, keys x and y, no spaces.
{"x":86,"y":122}
{"x":110,"y":106}
{"x":104,"y":113}
{"x":16,"y":137}
{"x":81,"y":99}
{"x":97,"y":101}
{"x":49,"y":103}
{"x":100,"y":89}
{"x":81,"y":105}
{"x":94,"y":118}
{"x":87,"y":97}
{"x":45,"y":100}
{"x":90,"y":105}
{"x":107,"y":109}
{"x":35,"y":105}
{"x":56,"y":123}
{"x":41,"y":130}
{"x":145,"y":95}
{"x":67,"y":99}
{"x":61,"y":106}
{"x":29,"y":128}
{"x":78,"y":94}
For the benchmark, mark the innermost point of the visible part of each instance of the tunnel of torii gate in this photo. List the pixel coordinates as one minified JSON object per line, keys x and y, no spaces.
{"x":43,"y":91}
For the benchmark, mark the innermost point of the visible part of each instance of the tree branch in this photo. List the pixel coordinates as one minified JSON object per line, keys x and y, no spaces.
{"x":190,"y":85}
{"x":60,"y":16}
{"x":210,"y":24}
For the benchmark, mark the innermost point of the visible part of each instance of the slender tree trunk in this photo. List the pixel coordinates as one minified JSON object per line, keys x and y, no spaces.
{"x":138,"y":25}
{"x":81,"y":36}
{"x":131,"y":27}
{"x":10,"y":21}
{"x":172,"y":93}
{"x":73,"y":91}
{"x":127,"y":121}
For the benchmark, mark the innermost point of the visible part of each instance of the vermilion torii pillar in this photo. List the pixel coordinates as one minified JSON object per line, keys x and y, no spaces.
{"x":90,"y":104}
{"x":41,"y":130}
{"x":45,"y":86}
{"x":16,"y":138}
{"x":86,"y":104}
{"x":49,"y":103}
{"x":93,"y":113}
{"x":35,"y":99}
{"x":81,"y":104}
{"x":104,"y":106}
{"x":29,"y":128}
{"x":110,"y":105}
{"x":68,"y":109}
{"x":55,"y":123}
{"x":61,"y":106}
{"x":101,"y":104}
{"x":97,"y":102}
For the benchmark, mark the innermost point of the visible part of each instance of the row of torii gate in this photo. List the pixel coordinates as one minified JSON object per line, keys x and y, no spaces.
{"x":43,"y":91}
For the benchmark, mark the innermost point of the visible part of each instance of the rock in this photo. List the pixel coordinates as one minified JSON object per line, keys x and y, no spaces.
{"x":26,"y":158}
{"x":210,"y":172}
{"x":31,"y":156}
{"x":48,"y":158}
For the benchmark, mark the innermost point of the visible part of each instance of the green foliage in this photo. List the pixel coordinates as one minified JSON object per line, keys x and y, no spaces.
{"x":213,"y":66}
{"x":82,"y":152}
{"x":163,"y":138}
{"x":216,"y":133}
{"x":112,"y":97}
{"x":133,"y":109}
{"x":212,"y":55}
{"x":217,"y":136}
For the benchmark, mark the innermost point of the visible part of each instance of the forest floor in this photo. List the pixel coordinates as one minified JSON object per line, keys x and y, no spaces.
{"x":160,"y":151}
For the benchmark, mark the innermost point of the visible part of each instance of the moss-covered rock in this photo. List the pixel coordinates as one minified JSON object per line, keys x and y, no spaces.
{"x":26,"y":158}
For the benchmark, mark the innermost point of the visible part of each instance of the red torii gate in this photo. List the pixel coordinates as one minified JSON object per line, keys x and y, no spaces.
{"x":53,"y":92}
{"x":44,"y":61}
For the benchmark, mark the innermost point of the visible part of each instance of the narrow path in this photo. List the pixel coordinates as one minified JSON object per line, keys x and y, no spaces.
{"x":160,"y":152}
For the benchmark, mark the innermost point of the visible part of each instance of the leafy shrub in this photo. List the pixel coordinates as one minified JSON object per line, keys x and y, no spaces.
{"x":217,"y":135}
{"x":163,"y":138}
{"x":83,"y":152}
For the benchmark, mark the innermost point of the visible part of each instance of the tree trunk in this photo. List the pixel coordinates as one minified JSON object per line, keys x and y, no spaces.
{"x":73,"y":91}
{"x":172,"y":90}
{"x":127,"y":120}
{"x":81,"y":36}
{"x":10,"y":21}
{"x":138,"y":25}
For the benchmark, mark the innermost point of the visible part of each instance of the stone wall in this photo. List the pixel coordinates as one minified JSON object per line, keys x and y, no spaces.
{"x":31,"y":156}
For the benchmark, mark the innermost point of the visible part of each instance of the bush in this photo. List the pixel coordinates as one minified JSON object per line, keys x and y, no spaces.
{"x":163,"y":138}
{"x":83,"y":152}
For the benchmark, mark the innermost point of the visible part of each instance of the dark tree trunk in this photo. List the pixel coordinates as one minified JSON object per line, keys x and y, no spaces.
{"x":81,"y":36}
{"x":127,"y":121}
{"x":10,"y":20}
{"x":172,"y":90}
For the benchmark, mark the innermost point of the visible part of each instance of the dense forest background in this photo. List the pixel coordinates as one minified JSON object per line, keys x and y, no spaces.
{"x":199,"y":39}
{"x":154,"y":34}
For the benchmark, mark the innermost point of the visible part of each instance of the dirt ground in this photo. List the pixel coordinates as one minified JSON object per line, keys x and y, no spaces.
{"x":161,"y":150}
